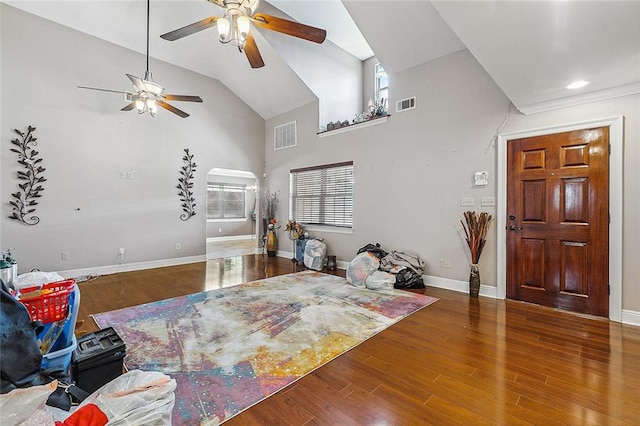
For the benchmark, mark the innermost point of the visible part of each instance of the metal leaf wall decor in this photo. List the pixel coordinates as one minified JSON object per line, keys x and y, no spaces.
{"x":24,"y":201}
{"x":185,"y":185}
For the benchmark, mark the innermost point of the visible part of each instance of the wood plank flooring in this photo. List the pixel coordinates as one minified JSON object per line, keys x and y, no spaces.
{"x":458,"y":361}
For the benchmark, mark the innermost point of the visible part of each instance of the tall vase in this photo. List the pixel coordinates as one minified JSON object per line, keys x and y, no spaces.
{"x":474,"y":280}
{"x":272,"y":243}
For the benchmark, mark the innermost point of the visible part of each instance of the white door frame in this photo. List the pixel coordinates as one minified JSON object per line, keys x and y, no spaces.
{"x":615,"y":125}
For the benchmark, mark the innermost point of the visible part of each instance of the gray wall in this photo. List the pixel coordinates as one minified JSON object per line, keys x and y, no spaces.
{"x":86,"y":142}
{"x":411,"y":171}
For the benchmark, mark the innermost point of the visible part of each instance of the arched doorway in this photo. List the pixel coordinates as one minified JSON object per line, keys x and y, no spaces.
{"x":231,"y":211}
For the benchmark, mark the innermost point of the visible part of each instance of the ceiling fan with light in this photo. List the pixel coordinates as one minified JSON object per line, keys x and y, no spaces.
{"x":235,"y":28}
{"x":148,"y":94}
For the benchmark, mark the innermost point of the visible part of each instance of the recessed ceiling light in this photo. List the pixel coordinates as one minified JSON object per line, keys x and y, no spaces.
{"x":577,"y":84}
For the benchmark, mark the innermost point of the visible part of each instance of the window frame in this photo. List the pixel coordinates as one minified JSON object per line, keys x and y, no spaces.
{"x":219,"y":186}
{"x":329,"y":191}
{"x":379,"y":74}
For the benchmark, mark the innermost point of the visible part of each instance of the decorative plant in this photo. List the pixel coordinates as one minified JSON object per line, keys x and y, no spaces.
{"x":185,"y":185}
{"x":25,"y":200}
{"x":475,"y":228}
{"x":269,"y":205}
{"x":294,"y":229}
{"x":378,"y":108}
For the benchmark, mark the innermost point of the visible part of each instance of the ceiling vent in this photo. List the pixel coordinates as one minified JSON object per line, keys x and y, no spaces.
{"x":284,"y":136}
{"x":405,"y":104}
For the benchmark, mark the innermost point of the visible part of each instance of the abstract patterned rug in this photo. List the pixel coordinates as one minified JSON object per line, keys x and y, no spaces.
{"x":228,"y":349}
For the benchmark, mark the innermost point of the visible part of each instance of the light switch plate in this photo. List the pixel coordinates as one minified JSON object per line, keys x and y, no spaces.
{"x":467,"y":201}
{"x":488,"y":201}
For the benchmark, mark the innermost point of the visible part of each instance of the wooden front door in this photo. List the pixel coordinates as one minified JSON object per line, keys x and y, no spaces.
{"x":558,"y":220}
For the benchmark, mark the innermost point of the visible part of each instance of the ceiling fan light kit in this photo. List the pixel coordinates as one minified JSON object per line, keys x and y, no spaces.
{"x":148,"y":94}
{"x":235,"y":28}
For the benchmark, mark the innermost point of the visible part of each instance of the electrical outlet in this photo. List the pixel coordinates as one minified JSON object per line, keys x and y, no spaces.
{"x":488,"y":201}
{"x":121,"y":251}
{"x":65,"y":255}
{"x":219,"y":229}
{"x":447,"y":263}
{"x":441,"y":262}
{"x":466,"y":201}
{"x":178,"y":246}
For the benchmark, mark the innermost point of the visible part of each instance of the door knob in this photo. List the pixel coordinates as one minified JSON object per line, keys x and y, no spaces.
{"x":514,"y":228}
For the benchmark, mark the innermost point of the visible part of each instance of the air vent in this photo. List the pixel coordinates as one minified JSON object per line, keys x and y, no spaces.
{"x":405,"y":104}
{"x":284,"y":136}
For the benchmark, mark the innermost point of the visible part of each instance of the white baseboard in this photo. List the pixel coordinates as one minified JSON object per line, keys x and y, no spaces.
{"x":630,"y":317}
{"x":231,"y":238}
{"x":127,"y":267}
{"x":459,"y":286}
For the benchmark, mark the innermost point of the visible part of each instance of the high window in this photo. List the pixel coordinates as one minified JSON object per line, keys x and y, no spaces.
{"x":323,"y":195}
{"x":226,"y":201}
{"x":381,"y":84}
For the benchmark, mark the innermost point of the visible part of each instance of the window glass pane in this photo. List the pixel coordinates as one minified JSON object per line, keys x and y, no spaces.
{"x":323,"y":195}
{"x":381,"y":83}
{"x":226,"y":201}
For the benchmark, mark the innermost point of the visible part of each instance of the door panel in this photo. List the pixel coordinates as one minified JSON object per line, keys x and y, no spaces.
{"x":557,"y":225}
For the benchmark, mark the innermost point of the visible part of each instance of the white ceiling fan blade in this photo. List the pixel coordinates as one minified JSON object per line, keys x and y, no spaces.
{"x":137,"y":83}
{"x":103,"y":90}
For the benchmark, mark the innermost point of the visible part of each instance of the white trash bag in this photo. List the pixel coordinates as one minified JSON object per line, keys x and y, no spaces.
{"x":27,"y":405}
{"x":136,"y":398}
{"x":314,"y":254}
{"x":363,"y":265}
{"x":379,"y":280}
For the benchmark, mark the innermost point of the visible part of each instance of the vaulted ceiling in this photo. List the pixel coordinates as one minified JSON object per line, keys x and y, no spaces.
{"x":532,"y":50}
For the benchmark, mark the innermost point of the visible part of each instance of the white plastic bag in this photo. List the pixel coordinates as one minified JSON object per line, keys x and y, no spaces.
{"x":314,"y":253}
{"x":136,"y":398}
{"x":35,"y":278}
{"x":379,"y":280}
{"x":26,"y":405}
{"x":363,"y":265}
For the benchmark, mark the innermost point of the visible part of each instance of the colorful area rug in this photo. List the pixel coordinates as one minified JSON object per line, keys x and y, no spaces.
{"x":230,"y":348}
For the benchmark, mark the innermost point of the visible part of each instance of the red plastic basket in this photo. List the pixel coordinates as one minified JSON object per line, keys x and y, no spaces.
{"x":50,"y":307}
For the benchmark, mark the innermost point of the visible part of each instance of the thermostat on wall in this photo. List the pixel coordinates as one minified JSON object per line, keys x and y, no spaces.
{"x":481,"y":178}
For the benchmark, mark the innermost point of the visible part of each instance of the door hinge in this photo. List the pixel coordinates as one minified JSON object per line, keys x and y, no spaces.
{"x":609,"y":289}
{"x":609,"y":150}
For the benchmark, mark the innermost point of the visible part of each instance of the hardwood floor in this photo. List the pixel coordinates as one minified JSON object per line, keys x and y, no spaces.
{"x":458,"y":361}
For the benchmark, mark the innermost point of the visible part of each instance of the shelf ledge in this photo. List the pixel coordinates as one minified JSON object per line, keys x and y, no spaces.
{"x":351,"y":127}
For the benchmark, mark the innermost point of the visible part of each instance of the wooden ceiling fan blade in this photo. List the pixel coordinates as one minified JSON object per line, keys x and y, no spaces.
{"x":102,"y":90}
{"x":252,"y":52}
{"x":184,"y":98}
{"x":190,"y":29}
{"x":129,"y":107}
{"x":137,"y":82}
{"x":295,"y":29}
{"x":173,"y":109}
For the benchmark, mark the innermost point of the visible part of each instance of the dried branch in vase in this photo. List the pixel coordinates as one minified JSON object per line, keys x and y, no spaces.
{"x":475,"y":228}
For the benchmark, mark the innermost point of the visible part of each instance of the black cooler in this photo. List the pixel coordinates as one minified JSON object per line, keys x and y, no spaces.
{"x":97,"y":359}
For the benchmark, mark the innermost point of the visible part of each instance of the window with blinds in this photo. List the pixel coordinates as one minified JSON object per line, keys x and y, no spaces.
{"x":323,"y":195}
{"x":226,"y":201}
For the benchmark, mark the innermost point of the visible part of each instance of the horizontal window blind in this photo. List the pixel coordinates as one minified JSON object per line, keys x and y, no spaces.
{"x":225,"y":201}
{"x":323,"y":195}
